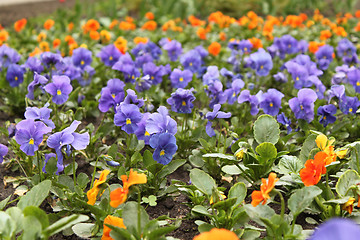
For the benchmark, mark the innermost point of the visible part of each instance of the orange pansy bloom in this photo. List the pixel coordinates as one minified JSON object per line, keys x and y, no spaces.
{"x":119,"y":195}
{"x":41,"y":37}
{"x":340,"y":31}
{"x":105,"y":36}
{"x":20,"y":24}
{"x":121,"y":44}
{"x":91,"y":25}
{"x":138,"y":40}
{"x":44,"y":46}
{"x":201,"y":32}
{"x":94,"y":191}
{"x":70,"y":26}
{"x":265,"y":189}
{"x":94,"y":35}
{"x":325,"y":34}
{"x":126,"y":25}
{"x":195,"y":21}
{"x":114,"y":221}
{"x":314,"y":46}
{"x":149,"y":15}
{"x":49,"y":24}
{"x":56,"y":42}
{"x":314,"y":168}
{"x":214,"y":48}
{"x":256,"y":42}
{"x":35,"y":52}
{"x":217,"y":234}
{"x":149,"y":25}
{"x":113,"y":24}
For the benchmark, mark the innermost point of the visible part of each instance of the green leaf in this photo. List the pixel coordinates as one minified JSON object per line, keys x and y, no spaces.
{"x":51,"y":166}
{"x":337,"y":201}
{"x":225,"y":204}
{"x":289,"y":164}
{"x":157,"y":233}
{"x":196,"y":159}
{"x":266,"y":129}
{"x":148,"y":159}
{"x":39,"y":214}
{"x":202,"y":181}
{"x":120,"y":233}
{"x":82,"y":180}
{"x":308,"y":145}
{"x":130,"y":216}
{"x":267,"y":151}
{"x":204,"y":143}
{"x":347,"y":180}
{"x":171,"y":167}
{"x":258,"y":212}
{"x":64,"y":223}
{"x":302,"y":198}
{"x":231,"y":169}
{"x":36,"y":195}
{"x":4,"y":202}
{"x":205,"y":227}
{"x":238,"y":191}
{"x":201,"y":210}
{"x":83,"y":230}
{"x":32,"y":228}
{"x":219,"y":155}
{"x":135,"y":158}
{"x":16,"y":215}
{"x":7,"y":226}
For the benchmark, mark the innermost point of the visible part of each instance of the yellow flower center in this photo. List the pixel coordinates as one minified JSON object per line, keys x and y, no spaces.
{"x":245,"y":49}
{"x":297,"y":78}
{"x":162,"y":152}
{"x":113,"y":95}
{"x":190,"y":64}
{"x":357,"y":83}
{"x":152,"y":77}
{"x":128,"y":121}
{"x":16,"y":78}
{"x":132,"y":77}
{"x":110,"y":58}
{"x":147,"y":133}
{"x":271,"y":104}
{"x":183,"y":103}
{"x":181,"y":79}
{"x":324,"y":117}
{"x":82,"y":62}
{"x":350,"y":109}
{"x":31,"y":141}
{"x":261,"y":67}
{"x":58,"y":92}
{"x":301,"y":107}
{"x":234,"y":94}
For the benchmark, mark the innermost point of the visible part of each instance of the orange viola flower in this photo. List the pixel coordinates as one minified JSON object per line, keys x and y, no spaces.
{"x":149,"y":15}
{"x":91,"y":25}
{"x":94,"y":35}
{"x":314,"y":168}
{"x":256,"y":42}
{"x":214,"y":48}
{"x":69,"y":40}
{"x":49,"y":24}
{"x":265,"y":189}
{"x":105,"y":36}
{"x":217,"y":234}
{"x":126,"y":25}
{"x":121,"y":44}
{"x":20,"y":24}
{"x":113,"y":24}
{"x":114,"y":221}
{"x":44,"y":46}
{"x":325,"y":145}
{"x":340,"y":31}
{"x":56,"y":42}
{"x":325,"y":34}
{"x":94,"y":191}
{"x":349,"y":205}
{"x":138,"y":40}
{"x":194,"y":21}
{"x":357,"y":14}
{"x":201,"y":32}
{"x":119,"y":195}
{"x":222,"y":36}
{"x":4,"y":35}
{"x":314,"y":46}
{"x":35,"y":52}
{"x":72,"y":47}
{"x":70,"y":26}
{"x":149,"y":25}
{"x":41,"y":37}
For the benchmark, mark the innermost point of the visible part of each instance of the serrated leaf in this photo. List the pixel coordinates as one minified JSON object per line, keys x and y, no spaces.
{"x":302,"y":198}
{"x":266,"y":129}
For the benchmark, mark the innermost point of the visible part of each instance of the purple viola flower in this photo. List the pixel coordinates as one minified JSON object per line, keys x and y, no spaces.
{"x":320,"y":87}
{"x":254,"y":100}
{"x":303,"y":46}
{"x":3,"y":152}
{"x":127,"y":117}
{"x":109,"y":55}
{"x":324,"y":56}
{"x":124,"y":63}
{"x":131,"y":98}
{"x":201,"y":51}
{"x":144,"y":83}
{"x":336,"y":229}
{"x":69,"y":138}
{"x":305,"y":61}
{"x":354,"y":78}
{"x":50,"y":59}
{"x":181,"y":100}
{"x":155,"y":72}
{"x":42,"y":114}
{"x":86,"y":76}
{"x":271,"y":101}
{"x":34,"y":64}
{"x":336,"y":91}
{"x":60,"y":167}
{"x":345,"y":48}
{"x":327,"y":114}
{"x":281,"y":118}
{"x":8,"y":56}
{"x":303,"y":104}
{"x":165,"y":147}
{"x":180,"y":79}
{"x":82,"y":57}
{"x":161,"y":122}
{"x":191,"y":61}
{"x":261,"y":62}
{"x":349,"y":104}
{"x":231,"y":94}
{"x":287,"y":44}
{"x":59,"y":88}
{"x":338,"y":78}
{"x":244,"y":46}
{"x":141,"y":132}
{"x":148,"y":48}
{"x":15,"y":75}
{"x":280,"y":77}
{"x":216,"y":94}
{"x":212,"y":75}
{"x":211,"y":116}
{"x":30,"y":134}
{"x":299,"y":74}
{"x":69,"y":69}
{"x":111,"y":95}
{"x":174,"y":49}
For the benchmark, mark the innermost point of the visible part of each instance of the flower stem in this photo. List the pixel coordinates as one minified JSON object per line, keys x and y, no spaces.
{"x":74,"y":169}
{"x":93,"y":176}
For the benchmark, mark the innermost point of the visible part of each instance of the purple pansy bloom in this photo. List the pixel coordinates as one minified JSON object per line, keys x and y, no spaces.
{"x":165,"y":147}
{"x":3,"y":152}
{"x":131,"y":97}
{"x":82,"y":57}
{"x":212,"y":115}
{"x":345,"y":48}
{"x":127,"y":117}
{"x":303,"y":104}
{"x":111,"y":95}
{"x":212,"y":75}
{"x":336,"y":91}
{"x":42,"y":114}
{"x":15,"y":75}
{"x":50,"y":59}
{"x":29,"y":135}
{"x":349,"y":104}
{"x":337,"y":229}
{"x":34,"y":64}
{"x":191,"y":61}
{"x":280,"y":77}
{"x":271,"y":101}
{"x":181,"y":100}
{"x":161,"y":122}
{"x":324,"y":56}
{"x":109,"y":55}
{"x":261,"y":62}
{"x":141,"y":132}
{"x":174,"y":49}
{"x":231,"y":93}
{"x":254,"y":100}
{"x":60,"y":88}
{"x":281,"y":118}
{"x":327,"y":114}
{"x":354,"y":78}
{"x":180,"y":79}
{"x":299,"y":74}
{"x":287,"y":44}
{"x":155,"y":72}
{"x":8,"y":56}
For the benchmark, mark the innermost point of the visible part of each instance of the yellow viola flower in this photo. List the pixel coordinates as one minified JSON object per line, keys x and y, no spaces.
{"x":349,"y":205}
